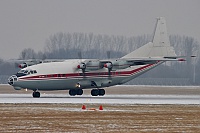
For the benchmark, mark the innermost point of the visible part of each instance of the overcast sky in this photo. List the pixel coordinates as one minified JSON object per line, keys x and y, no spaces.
{"x":28,"y":23}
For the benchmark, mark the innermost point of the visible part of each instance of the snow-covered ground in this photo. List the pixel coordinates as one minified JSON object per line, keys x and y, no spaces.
{"x":107,"y":99}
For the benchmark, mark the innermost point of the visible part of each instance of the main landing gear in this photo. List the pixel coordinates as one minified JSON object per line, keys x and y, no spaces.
{"x":36,"y":94}
{"x":74,"y":92}
{"x":94,"y":92}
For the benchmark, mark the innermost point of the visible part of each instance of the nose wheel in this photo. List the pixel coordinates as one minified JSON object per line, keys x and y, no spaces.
{"x":36,"y":94}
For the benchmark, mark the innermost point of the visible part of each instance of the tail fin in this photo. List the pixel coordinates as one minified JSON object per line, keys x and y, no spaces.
{"x":159,"y":47}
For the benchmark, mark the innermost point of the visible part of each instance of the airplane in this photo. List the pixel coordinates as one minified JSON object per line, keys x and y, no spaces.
{"x":78,"y":74}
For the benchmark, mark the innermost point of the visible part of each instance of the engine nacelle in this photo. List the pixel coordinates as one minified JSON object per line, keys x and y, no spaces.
{"x":23,"y":65}
{"x":120,"y":64}
{"x":108,"y":65}
{"x":28,"y":63}
{"x":93,"y":65}
{"x":81,"y":66}
{"x":90,"y":65}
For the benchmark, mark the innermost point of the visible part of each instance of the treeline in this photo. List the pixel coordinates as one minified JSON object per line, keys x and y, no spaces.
{"x":67,"y":45}
{"x":70,"y":45}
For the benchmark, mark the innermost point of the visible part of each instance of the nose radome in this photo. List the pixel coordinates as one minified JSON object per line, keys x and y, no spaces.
{"x":12,"y":79}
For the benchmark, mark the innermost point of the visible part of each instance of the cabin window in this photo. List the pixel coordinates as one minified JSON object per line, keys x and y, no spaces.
{"x":26,"y":72}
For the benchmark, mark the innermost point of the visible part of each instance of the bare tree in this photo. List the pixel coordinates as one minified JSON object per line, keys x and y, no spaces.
{"x":27,"y":54}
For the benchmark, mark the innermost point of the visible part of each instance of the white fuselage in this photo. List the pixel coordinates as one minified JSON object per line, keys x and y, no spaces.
{"x":65,"y":75}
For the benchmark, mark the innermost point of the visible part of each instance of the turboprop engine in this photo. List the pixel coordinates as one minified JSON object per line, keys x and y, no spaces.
{"x":29,"y":63}
{"x":90,"y":65}
{"x":117,"y":64}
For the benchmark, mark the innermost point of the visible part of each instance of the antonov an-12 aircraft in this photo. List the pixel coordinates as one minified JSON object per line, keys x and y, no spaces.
{"x":75,"y":74}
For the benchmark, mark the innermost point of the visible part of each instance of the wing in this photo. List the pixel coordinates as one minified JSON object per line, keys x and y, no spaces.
{"x":30,"y":62}
{"x":122,"y":63}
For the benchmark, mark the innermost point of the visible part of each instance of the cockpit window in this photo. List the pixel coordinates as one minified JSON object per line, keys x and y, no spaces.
{"x":26,"y":72}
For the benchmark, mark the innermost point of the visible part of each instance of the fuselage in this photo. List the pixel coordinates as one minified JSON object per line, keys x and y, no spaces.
{"x":65,"y":75}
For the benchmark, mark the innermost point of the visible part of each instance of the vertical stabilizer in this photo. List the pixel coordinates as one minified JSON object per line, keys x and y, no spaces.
{"x":160,"y":45}
{"x":160,"y":37}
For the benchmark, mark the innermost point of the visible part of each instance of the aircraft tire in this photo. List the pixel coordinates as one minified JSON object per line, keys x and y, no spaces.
{"x":101,"y":92}
{"x":33,"y":94}
{"x":95,"y":92}
{"x":79,"y":92}
{"x":72,"y":92}
{"x":36,"y":94}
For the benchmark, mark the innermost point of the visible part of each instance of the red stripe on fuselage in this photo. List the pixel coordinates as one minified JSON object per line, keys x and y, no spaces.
{"x":80,"y":75}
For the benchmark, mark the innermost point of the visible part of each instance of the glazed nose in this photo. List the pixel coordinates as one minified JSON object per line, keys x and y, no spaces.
{"x":12,"y":79}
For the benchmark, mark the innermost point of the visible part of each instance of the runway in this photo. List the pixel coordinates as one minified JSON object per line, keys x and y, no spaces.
{"x":114,"y":95}
{"x":107,"y":99}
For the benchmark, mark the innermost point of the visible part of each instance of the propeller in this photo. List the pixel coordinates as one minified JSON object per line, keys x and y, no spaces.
{"x":81,"y":65}
{"x":109,"y":65}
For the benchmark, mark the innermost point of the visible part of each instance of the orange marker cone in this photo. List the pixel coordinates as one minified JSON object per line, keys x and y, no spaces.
{"x":100,"y":107}
{"x":83,"y":107}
